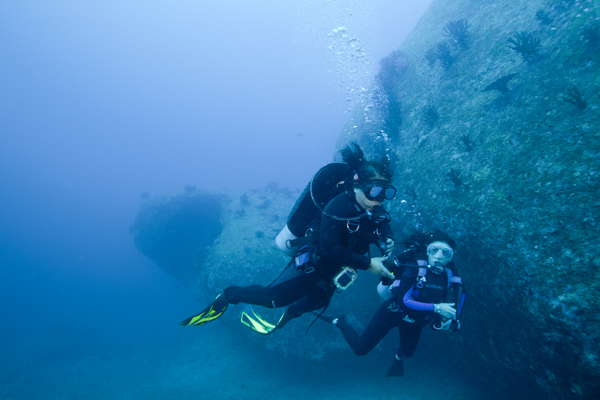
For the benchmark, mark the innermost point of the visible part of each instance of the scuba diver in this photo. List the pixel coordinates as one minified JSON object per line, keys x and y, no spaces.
{"x":416,"y":299}
{"x":326,"y":258}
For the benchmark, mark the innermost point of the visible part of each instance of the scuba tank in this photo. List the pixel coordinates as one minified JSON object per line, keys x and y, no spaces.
{"x":327,"y":183}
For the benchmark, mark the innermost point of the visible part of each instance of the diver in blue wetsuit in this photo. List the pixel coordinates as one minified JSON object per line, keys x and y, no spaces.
{"x":427,"y":274}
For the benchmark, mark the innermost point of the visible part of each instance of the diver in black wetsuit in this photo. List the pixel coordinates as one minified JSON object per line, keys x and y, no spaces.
{"x":349,"y":224}
{"x":417,"y":299}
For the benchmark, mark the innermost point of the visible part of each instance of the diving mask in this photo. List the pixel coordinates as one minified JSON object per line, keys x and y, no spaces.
{"x":378,"y":190}
{"x":439,"y":252}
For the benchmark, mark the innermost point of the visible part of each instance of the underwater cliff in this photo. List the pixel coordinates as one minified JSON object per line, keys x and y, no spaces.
{"x":489,"y":112}
{"x":493,"y":125}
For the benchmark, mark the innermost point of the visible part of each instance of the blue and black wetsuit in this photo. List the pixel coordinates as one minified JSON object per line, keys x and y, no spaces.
{"x":410,"y":308}
{"x":340,"y":243}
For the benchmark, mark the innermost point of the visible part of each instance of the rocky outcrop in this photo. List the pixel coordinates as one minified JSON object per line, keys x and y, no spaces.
{"x":512,"y":174}
{"x":178,"y":231}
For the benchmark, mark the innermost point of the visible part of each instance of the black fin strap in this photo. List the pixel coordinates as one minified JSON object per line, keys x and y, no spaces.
{"x":318,"y":316}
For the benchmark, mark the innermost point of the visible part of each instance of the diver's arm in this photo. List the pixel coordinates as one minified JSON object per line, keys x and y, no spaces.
{"x":407,"y":291}
{"x":446,"y":310}
{"x":411,"y":303}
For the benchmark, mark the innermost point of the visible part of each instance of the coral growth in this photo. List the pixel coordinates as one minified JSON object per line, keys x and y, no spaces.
{"x":543,"y":17}
{"x":467,"y":142}
{"x":574,"y":97}
{"x":442,"y":53}
{"x":430,"y":116}
{"x":455,"y":177}
{"x":527,"y":44}
{"x":390,"y":67}
{"x":457,"y":33}
{"x":431,"y":57}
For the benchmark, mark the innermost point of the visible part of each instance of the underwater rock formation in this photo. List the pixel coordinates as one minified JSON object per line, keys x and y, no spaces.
{"x":514,"y":182}
{"x":528,"y":225}
{"x":176,"y":230}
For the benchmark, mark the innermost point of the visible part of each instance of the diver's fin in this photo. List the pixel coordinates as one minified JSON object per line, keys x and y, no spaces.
{"x":251,"y":319}
{"x":210,"y":313}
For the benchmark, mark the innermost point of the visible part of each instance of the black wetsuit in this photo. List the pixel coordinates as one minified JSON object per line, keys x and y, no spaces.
{"x":409,"y":309}
{"x":337,"y":247}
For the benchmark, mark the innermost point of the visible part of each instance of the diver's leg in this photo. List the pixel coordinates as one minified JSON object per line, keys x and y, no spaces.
{"x":279,"y":295}
{"x":318,"y":297}
{"x":409,"y":338}
{"x":381,"y":323}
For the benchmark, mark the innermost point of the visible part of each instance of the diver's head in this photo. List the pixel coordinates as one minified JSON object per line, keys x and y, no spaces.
{"x":440,"y":251}
{"x":371,"y":180}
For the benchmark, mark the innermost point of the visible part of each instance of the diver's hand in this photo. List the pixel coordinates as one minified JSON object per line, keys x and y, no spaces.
{"x":390,"y":246}
{"x":446,"y":310}
{"x":378,"y":269}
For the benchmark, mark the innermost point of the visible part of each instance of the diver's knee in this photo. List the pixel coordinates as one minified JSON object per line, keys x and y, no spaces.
{"x":229,"y":294}
{"x":361,"y":351}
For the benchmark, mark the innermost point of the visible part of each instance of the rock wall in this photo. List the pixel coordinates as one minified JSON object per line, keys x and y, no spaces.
{"x":501,"y":149}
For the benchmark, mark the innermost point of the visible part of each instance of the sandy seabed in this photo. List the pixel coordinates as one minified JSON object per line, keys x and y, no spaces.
{"x":214,"y":362}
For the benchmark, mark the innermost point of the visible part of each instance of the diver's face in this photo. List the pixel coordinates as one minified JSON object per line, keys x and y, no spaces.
{"x":363,"y":202}
{"x":439,"y":252}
